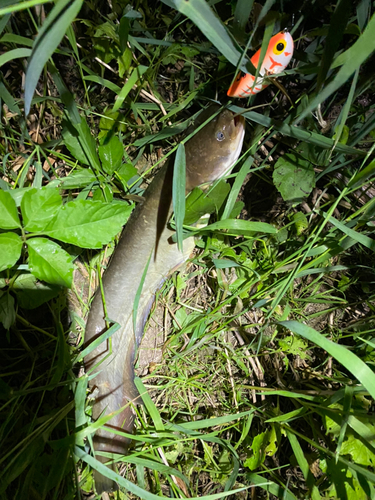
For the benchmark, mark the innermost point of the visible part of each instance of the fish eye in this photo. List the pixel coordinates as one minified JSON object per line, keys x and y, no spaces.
{"x":279,"y":47}
{"x":220,"y":136}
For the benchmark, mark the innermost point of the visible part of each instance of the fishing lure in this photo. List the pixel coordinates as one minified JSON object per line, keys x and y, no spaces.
{"x":277,"y":58}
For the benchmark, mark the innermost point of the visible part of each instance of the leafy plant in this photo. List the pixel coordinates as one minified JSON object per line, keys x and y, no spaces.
{"x":266,"y":379}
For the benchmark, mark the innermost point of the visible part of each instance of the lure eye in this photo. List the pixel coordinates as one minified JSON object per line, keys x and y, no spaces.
{"x":220,"y":136}
{"x":279,"y":47}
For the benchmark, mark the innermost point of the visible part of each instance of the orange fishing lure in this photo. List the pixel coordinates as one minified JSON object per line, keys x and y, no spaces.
{"x":277,"y":58}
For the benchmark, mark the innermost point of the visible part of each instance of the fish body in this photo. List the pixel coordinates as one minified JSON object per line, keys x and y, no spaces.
{"x":146,"y":243}
{"x":278,"y":55}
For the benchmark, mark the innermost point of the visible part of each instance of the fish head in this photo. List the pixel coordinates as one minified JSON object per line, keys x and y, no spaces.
{"x":212,"y":151}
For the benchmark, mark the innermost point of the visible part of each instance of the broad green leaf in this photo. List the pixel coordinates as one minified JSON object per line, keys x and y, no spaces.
{"x":8,"y":212}
{"x":88,"y":144}
{"x":178,"y":192}
{"x":88,"y":224}
{"x":124,"y":32}
{"x":39,"y":206}
{"x":77,"y":179}
{"x":343,"y":483}
{"x":359,"y":454}
{"x":112,"y":121}
{"x":111,"y":152}
{"x":31,"y":293}
{"x":294,"y":345}
{"x":348,"y":359}
{"x":294,"y":177}
{"x":10,"y":250}
{"x":218,"y":193}
{"x":49,"y":37}
{"x":14,"y":54}
{"x":72,"y":142}
{"x":49,"y":262}
{"x":199,"y":203}
{"x":125,"y":173}
{"x":81,"y":143}
{"x":300,"y":222}
{"x":7,"y":310}
{"x":313,"y":153}
{"x":258,"y":447}
{"x":18,"y":194}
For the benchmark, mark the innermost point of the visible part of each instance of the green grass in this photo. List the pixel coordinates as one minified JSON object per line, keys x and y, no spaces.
{"x":263,"y":374}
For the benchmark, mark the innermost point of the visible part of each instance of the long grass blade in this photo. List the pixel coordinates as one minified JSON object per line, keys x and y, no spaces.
{"x":297,"y":132}
{"x":14,"y":54}
{"x":202,"y":15}
{"x":356,"y":55}
{"x":335,"y":33}
{"x":133,"y":488}
{"x":178,"y":193}
{"x":343,"y":355}
{"x":49,"y":37}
